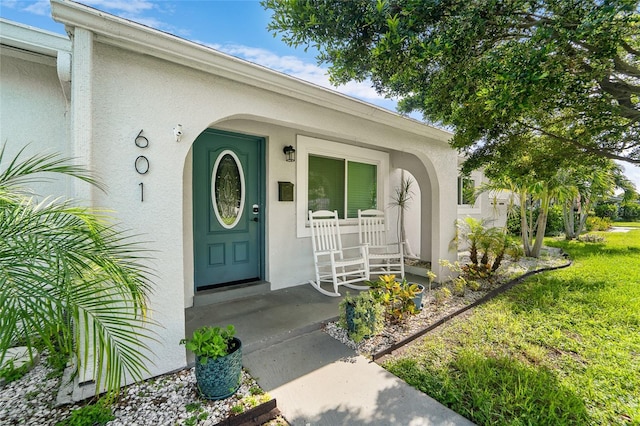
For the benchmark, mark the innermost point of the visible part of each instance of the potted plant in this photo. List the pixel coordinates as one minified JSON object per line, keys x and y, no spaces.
{"x":218,"y":360}
{"x":417,"y":298}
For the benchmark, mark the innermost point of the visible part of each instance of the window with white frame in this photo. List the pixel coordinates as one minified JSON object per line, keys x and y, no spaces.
{"x":337,"y":176}
{"x":466,"y":191}
{"x":342,"y":185}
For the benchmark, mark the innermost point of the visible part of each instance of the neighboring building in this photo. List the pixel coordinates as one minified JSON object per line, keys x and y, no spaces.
{"x":156,"y":116}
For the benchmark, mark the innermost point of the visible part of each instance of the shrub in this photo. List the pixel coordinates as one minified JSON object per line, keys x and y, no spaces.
{"x":474,"y":285}
{"x":595,"y":223}
{"x":513,"y":221}
{"x":487,"y":246}
{"x":459,"y":285}
{"x":606,"y":210}
{"x":481,"y":270}
{"x":397,"y":297}
{"x":441,"y":295}
{"x":591,"y":238}
{"x":630,"y":211}
{"x":555,"y":221}
{"x":515,"y":251}
{"x":365,"y":316}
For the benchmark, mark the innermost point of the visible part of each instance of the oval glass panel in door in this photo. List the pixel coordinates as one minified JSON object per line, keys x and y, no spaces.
{"x":227,"y":189}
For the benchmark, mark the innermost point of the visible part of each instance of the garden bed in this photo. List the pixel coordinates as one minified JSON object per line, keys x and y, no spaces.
{"x":433,"y":313}
{"x":167,"y":399}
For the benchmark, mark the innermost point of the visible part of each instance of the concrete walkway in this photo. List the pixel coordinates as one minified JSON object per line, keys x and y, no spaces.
{"x":315,"y":379}
{"x":621,"y":229}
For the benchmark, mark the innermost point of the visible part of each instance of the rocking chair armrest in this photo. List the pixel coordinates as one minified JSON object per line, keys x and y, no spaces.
{"x":391,"y":248}
{"x":328,"y":253}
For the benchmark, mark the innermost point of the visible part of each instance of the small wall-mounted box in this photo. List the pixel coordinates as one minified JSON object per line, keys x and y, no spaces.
{"x":285,"y":191}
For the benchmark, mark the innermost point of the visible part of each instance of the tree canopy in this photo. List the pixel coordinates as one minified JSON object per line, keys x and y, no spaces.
{"x":499,"y":72}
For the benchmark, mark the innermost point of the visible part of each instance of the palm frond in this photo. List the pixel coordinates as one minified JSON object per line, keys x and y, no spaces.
{"x":71,"y":279}
{"x":18,"y":173}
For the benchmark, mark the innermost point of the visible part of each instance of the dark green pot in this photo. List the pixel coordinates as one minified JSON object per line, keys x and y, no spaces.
{"x":220,"y":378}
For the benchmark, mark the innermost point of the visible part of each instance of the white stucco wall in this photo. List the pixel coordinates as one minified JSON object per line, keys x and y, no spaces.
{"x":412,"y":215}
{"x":154,"y":96}
{"x":490,"y":206}
{"x":33,"y":109}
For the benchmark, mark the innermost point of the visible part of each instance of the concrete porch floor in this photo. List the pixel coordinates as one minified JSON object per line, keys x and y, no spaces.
{"x":269,"y":317}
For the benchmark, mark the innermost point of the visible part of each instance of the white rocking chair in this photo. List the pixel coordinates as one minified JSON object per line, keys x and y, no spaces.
{"x":384,"y":259}
{"x":331,"y":264}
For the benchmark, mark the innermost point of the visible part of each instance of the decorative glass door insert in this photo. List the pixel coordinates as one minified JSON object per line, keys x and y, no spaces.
{"x":227,"y":189}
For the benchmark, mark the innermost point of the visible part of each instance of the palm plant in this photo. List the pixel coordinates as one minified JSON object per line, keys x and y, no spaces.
{"x":70,"y":280}
{"x":487,"y":246}
{"x":472,"y":232}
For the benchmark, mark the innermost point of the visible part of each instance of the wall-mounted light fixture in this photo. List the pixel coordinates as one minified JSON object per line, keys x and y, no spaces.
{"x":289,"y":153}
{"x":177,"y":132}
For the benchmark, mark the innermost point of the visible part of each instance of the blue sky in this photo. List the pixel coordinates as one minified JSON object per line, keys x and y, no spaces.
{"x":236,"y":27}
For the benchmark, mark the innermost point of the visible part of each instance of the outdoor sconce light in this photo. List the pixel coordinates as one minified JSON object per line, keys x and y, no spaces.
{"x":177,"y":132}
{"x":289,"y":153}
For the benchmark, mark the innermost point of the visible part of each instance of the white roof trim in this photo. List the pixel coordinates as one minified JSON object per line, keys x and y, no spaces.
{"x":32,"y":39}
{"x":120,"y":32}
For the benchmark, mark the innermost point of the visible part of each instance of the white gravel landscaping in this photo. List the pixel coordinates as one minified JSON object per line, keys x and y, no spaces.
{"x":171,"y":399}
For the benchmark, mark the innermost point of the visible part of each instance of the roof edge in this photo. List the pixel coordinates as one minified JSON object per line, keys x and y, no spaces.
{"x":32,"y":39}
{"x":131,"y":35}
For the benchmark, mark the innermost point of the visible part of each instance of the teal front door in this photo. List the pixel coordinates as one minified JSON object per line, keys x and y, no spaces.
{"x":228,"y":219}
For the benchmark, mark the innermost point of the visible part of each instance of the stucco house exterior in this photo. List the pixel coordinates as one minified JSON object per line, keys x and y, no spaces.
{"x":161,"y":119}
{"x":490,"y":206}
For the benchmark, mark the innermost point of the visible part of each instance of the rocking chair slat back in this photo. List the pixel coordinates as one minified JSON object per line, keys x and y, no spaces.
{"x":331,"y":265}
{"x":372,"y":226}
{"x":324,"y":229}
{"x":383,"y":258}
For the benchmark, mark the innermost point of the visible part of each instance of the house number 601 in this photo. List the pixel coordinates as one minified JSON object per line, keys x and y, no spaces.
{"x":141,"y":163}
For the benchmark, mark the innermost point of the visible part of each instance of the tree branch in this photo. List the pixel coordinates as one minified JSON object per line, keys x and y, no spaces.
{"x":626,"y":68}
{"x":628,"y":48}
{"x":600,"y":152}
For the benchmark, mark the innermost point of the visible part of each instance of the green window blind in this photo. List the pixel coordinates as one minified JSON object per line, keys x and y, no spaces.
{"x":326,"y":184}
{"x":362,"y":187}
{"x":329,"y":182}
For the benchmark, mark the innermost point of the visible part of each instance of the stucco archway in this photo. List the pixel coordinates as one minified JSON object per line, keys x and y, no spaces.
{"x":424,"y":174}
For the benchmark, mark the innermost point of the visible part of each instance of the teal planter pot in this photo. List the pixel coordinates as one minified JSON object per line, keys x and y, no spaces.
{"x":220,"y":378}
{"x":417,"y":300}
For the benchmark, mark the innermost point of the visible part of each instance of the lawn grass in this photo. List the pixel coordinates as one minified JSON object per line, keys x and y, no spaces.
{"x":627,"y":224}
{"x":561,"y":348}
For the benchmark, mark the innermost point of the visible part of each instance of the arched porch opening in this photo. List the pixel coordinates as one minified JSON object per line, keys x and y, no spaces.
{"x":422,"y":215}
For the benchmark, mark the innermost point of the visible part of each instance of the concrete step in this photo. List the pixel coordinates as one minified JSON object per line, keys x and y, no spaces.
{"x":224,"y":294}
